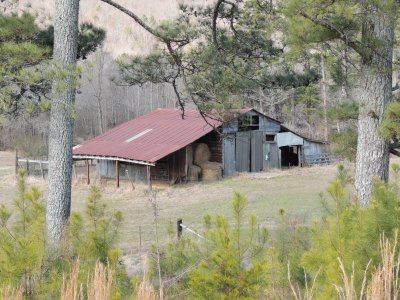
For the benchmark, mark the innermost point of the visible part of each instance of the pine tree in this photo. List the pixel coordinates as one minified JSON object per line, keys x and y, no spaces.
{"x":234,"y":269}
{"x":22,"y":239}
{"x":367,"y":28}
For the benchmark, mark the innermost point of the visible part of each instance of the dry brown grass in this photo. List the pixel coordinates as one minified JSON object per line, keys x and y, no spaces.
{"x":308,"y":293}
{"x":71,"y":290}
{"x":99,"y":286}
{"x":100,"y":283}
{"x":145,"y":290}
{"x":384,"y":283}
{"x":8,"y":293}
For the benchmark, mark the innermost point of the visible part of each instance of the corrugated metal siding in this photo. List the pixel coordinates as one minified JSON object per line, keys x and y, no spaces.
{"x":311,"y":148}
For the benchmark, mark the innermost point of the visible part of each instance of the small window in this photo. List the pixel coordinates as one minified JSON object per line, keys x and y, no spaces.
{"x":247,"y":123}
{"x":270,"y":137}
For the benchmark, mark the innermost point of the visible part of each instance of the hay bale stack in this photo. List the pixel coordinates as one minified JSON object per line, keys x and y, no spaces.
{"x":211,"y":171}
{"x":202,"y":154}
{"x":189,"y":155}
{"x":194,"y":173}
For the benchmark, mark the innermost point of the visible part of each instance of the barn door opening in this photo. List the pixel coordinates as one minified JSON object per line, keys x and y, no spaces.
{"x":291,"y":156}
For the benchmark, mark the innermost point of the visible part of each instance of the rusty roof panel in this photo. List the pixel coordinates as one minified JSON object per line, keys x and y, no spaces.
{"x":150,"y":137}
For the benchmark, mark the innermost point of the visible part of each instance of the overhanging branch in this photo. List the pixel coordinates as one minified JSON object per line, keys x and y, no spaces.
{"x":355,"y":45}
{"x":135,"y":17}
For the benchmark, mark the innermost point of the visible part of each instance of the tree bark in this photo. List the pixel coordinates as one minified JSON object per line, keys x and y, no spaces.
{"x":374,"y":93}
{"x":62,"y":118}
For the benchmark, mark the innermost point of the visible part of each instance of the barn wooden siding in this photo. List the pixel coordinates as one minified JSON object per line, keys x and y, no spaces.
{"x":170,"y":168}
{"x":246,"y":151}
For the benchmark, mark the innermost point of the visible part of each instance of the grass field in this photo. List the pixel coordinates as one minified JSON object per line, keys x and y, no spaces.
{"x":295,"y":190}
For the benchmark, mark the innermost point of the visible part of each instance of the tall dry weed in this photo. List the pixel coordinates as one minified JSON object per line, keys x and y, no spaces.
{"x":308,"y":293}
{"x":70,"y":288}
{"x":100,"y":283}
{"x":99,"y":286}
{"x":145,"y":290}
{"x":8,"y":293}
{"x":384,"y":282}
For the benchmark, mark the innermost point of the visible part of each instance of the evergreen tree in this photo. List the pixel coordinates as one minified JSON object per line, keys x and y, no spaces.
{"x":22,"y":239}
{"x":366,"y":27}
{"x":235,"y":268}
{"x":25,"y":54}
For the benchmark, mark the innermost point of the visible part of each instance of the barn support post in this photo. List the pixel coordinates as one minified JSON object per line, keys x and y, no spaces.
{"x":74,"y":169}
{"x":87,"y":171}
{"x":117,"y":171}
{"x":280,"y":158}
{"x":298,"y":156}
{"x":149,"y":177}
{"x":300,"y":152}
{"x":186,"y":165}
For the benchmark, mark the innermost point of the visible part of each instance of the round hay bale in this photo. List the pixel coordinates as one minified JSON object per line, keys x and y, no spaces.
{"x":194,"y":173}
{"x":201,"y":154}
{"x":211,"y":165}
{"x":189,"y":155}
{"x":211,"y":175}
{"x":211,"y":171}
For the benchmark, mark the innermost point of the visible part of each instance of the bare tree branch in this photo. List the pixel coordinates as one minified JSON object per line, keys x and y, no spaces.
{"x":214,"y":21}
{"x":135,"y":17}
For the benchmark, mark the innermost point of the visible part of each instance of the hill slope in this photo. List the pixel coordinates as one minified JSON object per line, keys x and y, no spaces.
{"x":123,"y":35}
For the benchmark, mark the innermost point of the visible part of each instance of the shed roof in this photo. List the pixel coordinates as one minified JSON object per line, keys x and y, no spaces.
{"x":148,"y":138}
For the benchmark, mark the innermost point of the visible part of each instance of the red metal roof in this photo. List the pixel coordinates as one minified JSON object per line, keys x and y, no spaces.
{"x":148,"y":138}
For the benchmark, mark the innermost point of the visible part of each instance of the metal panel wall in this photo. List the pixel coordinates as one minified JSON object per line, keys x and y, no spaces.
{"x":243,"y":151}
{"x":268,"y":125}
{"x":311,"y":147}
{"x":271,"y":152}
{"x":229,"y":154}
{"x":257,"y":156}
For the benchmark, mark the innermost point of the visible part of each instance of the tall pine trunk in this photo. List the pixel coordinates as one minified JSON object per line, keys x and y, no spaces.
{"x":374,"y":93}
{"x":62,"y":118}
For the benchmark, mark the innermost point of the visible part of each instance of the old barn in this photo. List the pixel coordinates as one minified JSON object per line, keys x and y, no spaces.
{"x":164,"y":146}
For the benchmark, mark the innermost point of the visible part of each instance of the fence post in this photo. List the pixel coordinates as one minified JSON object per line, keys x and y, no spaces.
{"x":179,"y":228}
{"x":27,"y":167}
{"x":140,"y":239}
{"x":16,"y":162}
{"x":41,"y":169}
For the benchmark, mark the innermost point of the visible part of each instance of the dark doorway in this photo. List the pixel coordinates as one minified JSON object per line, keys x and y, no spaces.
{"x":289,"y":156}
